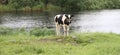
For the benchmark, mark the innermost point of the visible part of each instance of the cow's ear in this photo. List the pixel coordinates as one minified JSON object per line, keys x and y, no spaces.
{"x":66,"y":16}
{"x":72,"y":15}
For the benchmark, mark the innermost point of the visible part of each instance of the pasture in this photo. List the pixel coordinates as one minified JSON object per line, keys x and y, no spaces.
{"x":21,"y":42}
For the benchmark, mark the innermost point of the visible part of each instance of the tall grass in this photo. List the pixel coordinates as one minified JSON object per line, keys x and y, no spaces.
{"x":33,"y":31}
{"x":42,"y":32}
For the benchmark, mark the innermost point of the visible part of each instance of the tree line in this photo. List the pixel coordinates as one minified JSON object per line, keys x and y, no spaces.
{"x":60,"y":5}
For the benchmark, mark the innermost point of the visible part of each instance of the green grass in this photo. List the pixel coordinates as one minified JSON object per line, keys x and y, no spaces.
{"x":6,"y":8}
{"x":20,"y":42}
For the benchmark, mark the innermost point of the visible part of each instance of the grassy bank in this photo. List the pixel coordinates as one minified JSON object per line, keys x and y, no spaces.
{"x":43,"y":42}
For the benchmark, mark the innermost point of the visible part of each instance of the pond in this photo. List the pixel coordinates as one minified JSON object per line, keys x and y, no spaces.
{"x":84,"y":21}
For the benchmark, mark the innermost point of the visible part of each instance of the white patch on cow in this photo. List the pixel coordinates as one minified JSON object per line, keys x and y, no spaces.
{"x":58,"y":16}
{"x":63,"y":18}
{"x":69,"y":16}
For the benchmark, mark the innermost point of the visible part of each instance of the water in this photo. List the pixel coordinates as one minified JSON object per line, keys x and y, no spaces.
{"x":85,"y":21}
{"x":26,"y":20}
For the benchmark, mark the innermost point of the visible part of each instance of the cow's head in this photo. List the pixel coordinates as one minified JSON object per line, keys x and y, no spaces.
{"x":69,"y":18}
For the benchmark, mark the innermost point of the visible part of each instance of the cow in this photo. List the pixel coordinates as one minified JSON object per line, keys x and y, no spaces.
{"x":63,"y":20}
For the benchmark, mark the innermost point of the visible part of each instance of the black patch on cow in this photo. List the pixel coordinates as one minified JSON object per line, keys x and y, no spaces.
{"x":66,"y":16}
{"x":59,"y":20}
{"x":56,"y":19}
{"x":72,"y":15}
{"x":66,"y":22}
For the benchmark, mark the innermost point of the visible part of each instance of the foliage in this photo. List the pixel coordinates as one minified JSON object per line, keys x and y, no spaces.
{"x":63,"y":5}
{"x":5,"y":8}
{"x":16,"y":4}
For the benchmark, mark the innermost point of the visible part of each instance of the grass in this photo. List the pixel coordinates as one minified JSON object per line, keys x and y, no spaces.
{"x":40,"y":7}
{"x":6,"y":8}
{"x":22,"y":43}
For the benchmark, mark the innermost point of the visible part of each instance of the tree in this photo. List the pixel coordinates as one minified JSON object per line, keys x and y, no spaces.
{"x":67,"y":5}
{"x":16,"y":4}
{"x":45,"y":2}
{"x":30,"y":3}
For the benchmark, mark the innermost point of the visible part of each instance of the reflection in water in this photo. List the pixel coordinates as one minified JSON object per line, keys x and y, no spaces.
{"x":26,"y":20}
{"x":87,"y":21}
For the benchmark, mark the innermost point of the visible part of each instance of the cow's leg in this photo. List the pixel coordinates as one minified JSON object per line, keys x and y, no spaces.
{"x":64,"y":28}
{"x":68,"y":27}
{"x":57,"y":29}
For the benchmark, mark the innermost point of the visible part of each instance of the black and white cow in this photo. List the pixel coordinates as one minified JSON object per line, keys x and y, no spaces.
{"x":63,"y":20}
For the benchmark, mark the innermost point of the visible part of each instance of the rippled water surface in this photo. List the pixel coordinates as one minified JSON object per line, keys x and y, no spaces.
{"x":85,"y":21}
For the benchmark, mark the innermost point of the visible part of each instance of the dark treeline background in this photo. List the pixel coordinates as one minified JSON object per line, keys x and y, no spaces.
{"x":57,"y":5}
